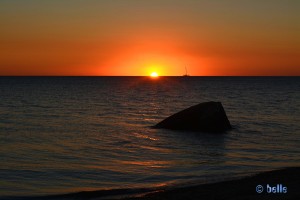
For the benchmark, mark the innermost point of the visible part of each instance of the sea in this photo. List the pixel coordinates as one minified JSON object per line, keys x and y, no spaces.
{"x":61,"y":135}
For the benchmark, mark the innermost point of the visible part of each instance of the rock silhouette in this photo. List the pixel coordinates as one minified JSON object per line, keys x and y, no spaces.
{"x":204,"y":117}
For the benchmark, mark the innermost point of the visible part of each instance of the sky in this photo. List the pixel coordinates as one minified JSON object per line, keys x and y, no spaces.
{"x":138,"y":37}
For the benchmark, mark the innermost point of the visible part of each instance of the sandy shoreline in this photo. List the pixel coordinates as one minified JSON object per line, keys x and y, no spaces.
{"x":244,"y":188}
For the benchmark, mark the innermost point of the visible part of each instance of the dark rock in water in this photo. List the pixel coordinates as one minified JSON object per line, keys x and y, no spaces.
{"x":206,"y":117}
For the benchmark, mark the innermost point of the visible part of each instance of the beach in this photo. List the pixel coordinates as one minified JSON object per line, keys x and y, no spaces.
{"x":238,"y":189}
{"x":244,"y":188}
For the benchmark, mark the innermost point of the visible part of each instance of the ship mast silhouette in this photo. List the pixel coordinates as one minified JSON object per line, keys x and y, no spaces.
{"x":186,"y":73}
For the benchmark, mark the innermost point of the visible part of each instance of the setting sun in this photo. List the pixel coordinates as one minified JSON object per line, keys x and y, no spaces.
{"x":154,"y":74}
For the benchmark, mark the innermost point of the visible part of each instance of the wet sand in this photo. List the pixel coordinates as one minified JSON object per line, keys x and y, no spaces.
{"x":244,"y":188}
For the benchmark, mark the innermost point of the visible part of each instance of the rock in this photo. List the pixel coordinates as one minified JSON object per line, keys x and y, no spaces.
{"x":206,"y":117}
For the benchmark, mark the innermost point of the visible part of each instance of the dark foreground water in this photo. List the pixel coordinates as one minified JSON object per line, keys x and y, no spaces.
{"x":68,"y":134}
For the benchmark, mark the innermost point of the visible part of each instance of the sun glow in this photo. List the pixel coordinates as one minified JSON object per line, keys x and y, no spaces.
{"x":154,"y":74}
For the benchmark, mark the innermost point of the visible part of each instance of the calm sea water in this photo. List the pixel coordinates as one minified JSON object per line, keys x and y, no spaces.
{"x":70,"y":134}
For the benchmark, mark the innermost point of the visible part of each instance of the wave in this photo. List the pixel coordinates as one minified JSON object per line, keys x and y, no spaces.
{"x":99,"y":194}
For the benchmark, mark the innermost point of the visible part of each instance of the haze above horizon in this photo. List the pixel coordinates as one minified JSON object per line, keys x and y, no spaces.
{"x":139,"y":38}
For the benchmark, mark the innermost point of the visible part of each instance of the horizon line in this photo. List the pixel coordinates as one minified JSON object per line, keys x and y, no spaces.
{"x":148,"y":76}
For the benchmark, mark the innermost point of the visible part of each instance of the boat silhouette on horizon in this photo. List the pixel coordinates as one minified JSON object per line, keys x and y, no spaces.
{"x":186,"y":73}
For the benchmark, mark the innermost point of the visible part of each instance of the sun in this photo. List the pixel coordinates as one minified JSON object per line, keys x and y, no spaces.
{"x":154,"y":74}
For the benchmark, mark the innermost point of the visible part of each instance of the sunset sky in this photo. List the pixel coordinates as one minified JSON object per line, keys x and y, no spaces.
{"x":138,"y":37}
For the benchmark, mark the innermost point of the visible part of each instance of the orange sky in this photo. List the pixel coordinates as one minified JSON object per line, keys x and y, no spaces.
{"x":136,"y":37}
